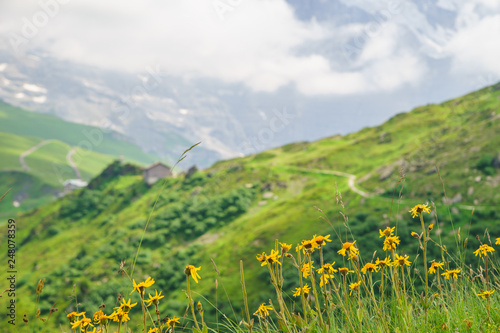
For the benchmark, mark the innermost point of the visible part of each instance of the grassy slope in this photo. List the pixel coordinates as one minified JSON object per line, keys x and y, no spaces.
{"x":21,"y":130}
{"x":11,"y":147}
{"x":21,"y":122}
{"x":98,"y":228}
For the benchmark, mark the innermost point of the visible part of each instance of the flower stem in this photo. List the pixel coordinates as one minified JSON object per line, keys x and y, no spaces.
{"x":245,"y":297}
{"x":191,"y":303}
{"x":425,"y":267}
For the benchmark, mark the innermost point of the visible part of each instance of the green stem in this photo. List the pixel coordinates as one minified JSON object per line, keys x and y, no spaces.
{"x":191,"y":303}
{"x":424,"y":233}
{"x":245,"y":296}
{"x":316,"y":298}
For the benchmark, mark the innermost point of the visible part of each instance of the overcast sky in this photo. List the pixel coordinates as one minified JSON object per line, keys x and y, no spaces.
{"x":267,"y":44}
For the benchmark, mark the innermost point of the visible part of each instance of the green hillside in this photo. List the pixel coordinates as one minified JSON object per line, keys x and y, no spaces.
{"x":40,"y":180}
{"x":237,"y":208}
{"x":15,"y":120}
{"x":46,"y":142}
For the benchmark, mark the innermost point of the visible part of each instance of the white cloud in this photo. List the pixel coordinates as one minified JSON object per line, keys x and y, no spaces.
{"x":473,"y":50}
{"x":257,"y":43}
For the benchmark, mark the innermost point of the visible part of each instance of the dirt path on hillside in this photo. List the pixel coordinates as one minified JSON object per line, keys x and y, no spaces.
{"x":351,"y":182}
{"x":29,"y":151}
{"x":72,"y":163}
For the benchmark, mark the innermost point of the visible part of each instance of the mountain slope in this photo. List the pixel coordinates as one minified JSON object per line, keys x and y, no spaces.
{"x":237,"y":208}
{"x":39,"y":152}
{"x":26,"y":123}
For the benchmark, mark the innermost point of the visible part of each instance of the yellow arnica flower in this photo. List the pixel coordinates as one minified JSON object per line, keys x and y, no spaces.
{"x":451,"y":273}
{"x":262,"y":258}
{"x":299,"y":291}
{"x":348,"y":247}
{"x":497,"y":241}
{"x":414,"y":234}
{"x":354,"y":287}
{"x":369,"y":267}
{"x":430,"y":227}
{"x":101,"y":318}
{"x":487,"y":293}
{"x":401,"y":261}
{"x":344,"y":271}
{"x":483,"y":250}
{"x":419,"y":209}
{"x":353,"y":255}
{"x":327,"y":268}
{"x":435,"y":266}
{"x":386,"y":232}
{"x":84,"y":323}
{"x":383,"y":263}
{"x":263,"y":310}
{"x":172,"y":321}
{"x":72,"y":315}
{"x":154,"y":299}
{"x":320,"y":240}
{"x":120,"y":316}
{"x":285,"y":247}
{"x":272,"y":258}
{"x":324,"y":279}
{"x":306,"y":270}
{"x":307,"y":245}
{"x":390,"y":243}
{"x":154,"y":330}
{"x":125,"y":306}
{"x":190,"y":270}
{"x":143,"y":285}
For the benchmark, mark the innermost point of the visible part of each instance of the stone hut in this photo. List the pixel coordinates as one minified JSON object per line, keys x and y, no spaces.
{"x":155,"y":172}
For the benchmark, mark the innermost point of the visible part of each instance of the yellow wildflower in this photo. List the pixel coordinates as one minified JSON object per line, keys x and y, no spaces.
{"x":353,"y":255}
{"x":324,"y":279}
{"x":125,"y":306}
{"x":307,"y":245}
{"x":451,"y":273}
{"x":190,"y":270}
{"x":419,"y":209}
{"x":383,"y":263}
{"x":369,"y":267}
{"x":348,"y":247}
{"x":154,"y":330}
{"x":172,"y":321}
{"x":390,"y":243}
{"x":386,"y":232}
{"x":414,"y":234}
{"x":483,"y":250}
{"x":306,"y":270}
{"x":401,"y":261}
{"x":497,"y":241}
{"x":84,"y":323}
{"x":154,"y":299}
{"x":320,"y":240}
{"x":120,"y":316}
{"x":298,"y":291}
{"x":487,"y":293}
{"x":430,"y":227}
{"x":285,"y":247}
{"x":101,"y":318}
{"x":262,"y":258}
{"x":435,"y":266}
{"x":344,"y":271}
{"x":263,"y":310}
{"x":327,"y":268}
{"x":72,"y":315}
{"x":143,"y":285}
{"x":273,"y":257}
{"x":354,"y":287}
